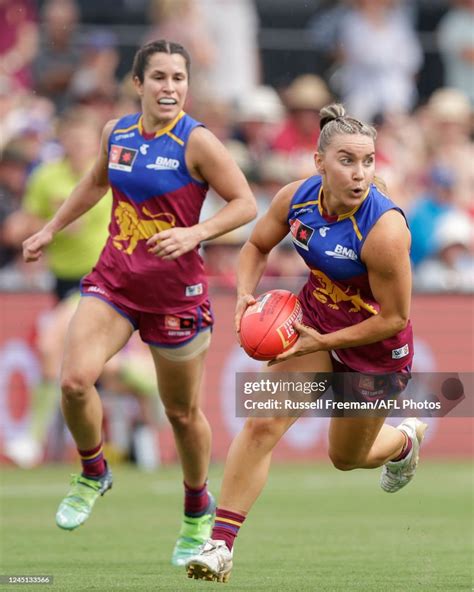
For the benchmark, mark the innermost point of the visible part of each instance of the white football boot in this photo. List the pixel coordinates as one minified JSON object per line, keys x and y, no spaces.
{"x":213,"y":562}
{"x":397,"y":474}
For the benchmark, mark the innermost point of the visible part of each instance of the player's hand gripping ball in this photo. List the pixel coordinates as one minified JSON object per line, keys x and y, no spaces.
{"x":267,"y":327}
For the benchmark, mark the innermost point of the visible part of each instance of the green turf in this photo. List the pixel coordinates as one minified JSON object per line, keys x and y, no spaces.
{"x":314,"y":529}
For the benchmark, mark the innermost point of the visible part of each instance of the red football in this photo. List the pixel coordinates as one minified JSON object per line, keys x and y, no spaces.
{"x":267,"y":326}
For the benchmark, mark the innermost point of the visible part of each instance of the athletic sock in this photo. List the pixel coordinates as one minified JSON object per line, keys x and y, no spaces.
{"x":405,"y":450}
{"x":196,"y":500}
{"x":227,"y":526}
{"x":93,"y":462}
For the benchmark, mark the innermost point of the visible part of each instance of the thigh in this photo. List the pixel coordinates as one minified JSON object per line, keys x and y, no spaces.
{"x":179,"y":372}
{"x":309,"y":364}
{"x":96,"y":332}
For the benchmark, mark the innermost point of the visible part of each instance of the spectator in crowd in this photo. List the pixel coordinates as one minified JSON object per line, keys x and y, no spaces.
{"x":324,"y":29}
{"x":218,"y":115}
{"x":184,"y":22}
{"x":447,"y":130}
{"x":27,"y":120}
{"x":456,"y":44}
{"x":99,"y":62}
{"x":426,"y":211}
{"x":258,"y":117}
{"x":18,"y":42}
{"x":380,"y":51}
{"x":400,"y":156}
{"x":13,"y":173}
{"x":451,"y":267}
{"x":299,"y":133}
{"x":233,"y":27}
{"x":59,"y":53}
{"x":94,"y":84}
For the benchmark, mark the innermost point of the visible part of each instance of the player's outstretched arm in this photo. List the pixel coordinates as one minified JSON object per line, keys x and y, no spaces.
{"x":92,"y":187}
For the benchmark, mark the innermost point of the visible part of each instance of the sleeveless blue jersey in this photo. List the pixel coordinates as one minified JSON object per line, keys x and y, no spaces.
{"x":152,"y":191}
{"x":338,"y":292}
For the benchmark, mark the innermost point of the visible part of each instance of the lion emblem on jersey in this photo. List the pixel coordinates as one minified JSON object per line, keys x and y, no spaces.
{"x":133,"y":228}
{"x":329,"y":293}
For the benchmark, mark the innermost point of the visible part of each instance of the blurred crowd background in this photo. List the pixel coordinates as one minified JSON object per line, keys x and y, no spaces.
{"x":261,"y":71}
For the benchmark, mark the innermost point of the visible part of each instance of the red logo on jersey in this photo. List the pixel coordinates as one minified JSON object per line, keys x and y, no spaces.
{"x":301,"y":233}
{"x":122,"y":158}
{"x":187,"y":323}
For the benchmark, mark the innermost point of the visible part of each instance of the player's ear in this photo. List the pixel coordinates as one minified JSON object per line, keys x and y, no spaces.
{"x":319,"y":163}
{"x":138,"y":86}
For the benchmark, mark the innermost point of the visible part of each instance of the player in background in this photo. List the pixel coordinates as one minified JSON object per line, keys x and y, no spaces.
{"x":69,"y":257}
{"x":159,"y":164}
{"x":356,"y":306}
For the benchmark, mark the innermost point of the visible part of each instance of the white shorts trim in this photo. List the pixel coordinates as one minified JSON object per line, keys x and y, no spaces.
{"x":188,"y":351}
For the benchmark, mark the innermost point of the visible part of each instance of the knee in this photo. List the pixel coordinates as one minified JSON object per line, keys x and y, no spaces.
{"x":181,"y":417}
{"x":75,"y":386}
{"x":263,"y":431}
{"x":343,"y":463}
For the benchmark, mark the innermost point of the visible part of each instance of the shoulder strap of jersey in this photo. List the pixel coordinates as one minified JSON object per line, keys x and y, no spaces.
{"x":307,"y":193}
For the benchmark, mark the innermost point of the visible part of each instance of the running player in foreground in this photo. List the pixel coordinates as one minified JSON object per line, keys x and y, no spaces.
{"x":356,"y":306}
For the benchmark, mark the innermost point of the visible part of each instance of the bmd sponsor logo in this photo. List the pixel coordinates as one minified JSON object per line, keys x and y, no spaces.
{"x":341,"y":252}
{"x":164,"y":164}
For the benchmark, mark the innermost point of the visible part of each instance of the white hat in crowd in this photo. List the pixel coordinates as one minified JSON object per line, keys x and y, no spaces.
{"x":262,"y":104}
{"x":454,"y":228}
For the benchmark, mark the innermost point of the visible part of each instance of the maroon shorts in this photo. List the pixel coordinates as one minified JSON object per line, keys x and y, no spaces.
{"x":159,"y":329}
{"x":361,"y":386}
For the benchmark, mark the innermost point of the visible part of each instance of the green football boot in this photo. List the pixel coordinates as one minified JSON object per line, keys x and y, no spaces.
{"x":193,"y":534}
{"x":77,"y":506}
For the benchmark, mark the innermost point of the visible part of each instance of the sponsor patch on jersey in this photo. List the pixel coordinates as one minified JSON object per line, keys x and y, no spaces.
{"x":186,"y":323}
{"x":164,"y":164}
{"x":301,"y":234}
{"x":179,"y":333}
{"x":178,"y":325}
{"x":195,"y":290}
{"x":124,"y":136}
{"x":341,"y":252}
{"x":121,"y":158}
{"x":400,"y":352}
{"x":324,"y":230}
{"x":171,"y":322}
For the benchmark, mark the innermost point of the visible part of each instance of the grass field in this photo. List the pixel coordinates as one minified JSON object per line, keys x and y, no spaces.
{"x":314,"y":529}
